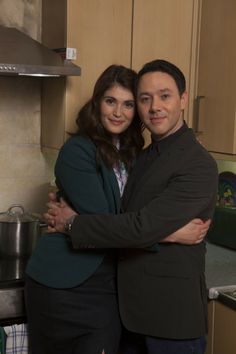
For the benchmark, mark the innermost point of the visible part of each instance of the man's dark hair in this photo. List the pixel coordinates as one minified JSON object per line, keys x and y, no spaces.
{"x":165,"y":67}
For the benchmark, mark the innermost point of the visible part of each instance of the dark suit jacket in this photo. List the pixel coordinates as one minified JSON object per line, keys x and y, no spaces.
{"x":54,"y":262}
{"x":161,"y":293}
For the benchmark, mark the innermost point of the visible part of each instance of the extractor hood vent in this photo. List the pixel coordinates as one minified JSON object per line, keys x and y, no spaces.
{"x":22,"y":55}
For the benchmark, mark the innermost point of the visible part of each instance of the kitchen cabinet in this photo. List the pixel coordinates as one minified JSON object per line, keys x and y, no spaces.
{"x":101,"y":32}
{"x":220,"y":272}
{"x":168,"y":29}
{"x":217,"y":76}
{"x":209,"y":349}
{"x":224,"y":329}
{"x":222,"y":324}
{"x":128,"y":32}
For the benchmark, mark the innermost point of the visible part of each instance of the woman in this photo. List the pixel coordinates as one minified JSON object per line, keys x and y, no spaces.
{"x":71,"y":295}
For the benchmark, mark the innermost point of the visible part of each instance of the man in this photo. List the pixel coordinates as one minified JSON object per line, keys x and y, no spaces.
{"x":162,"y":295}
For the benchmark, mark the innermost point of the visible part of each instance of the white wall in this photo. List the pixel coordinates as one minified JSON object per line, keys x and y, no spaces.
{"x":224,"y":165}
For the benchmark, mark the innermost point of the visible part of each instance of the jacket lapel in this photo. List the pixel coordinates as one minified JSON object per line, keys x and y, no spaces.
{"x":111,"y":189}
{"x":137,"y":180}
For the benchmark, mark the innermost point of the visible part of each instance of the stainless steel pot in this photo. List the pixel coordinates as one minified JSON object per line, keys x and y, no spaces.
{"x":12,"y":268}
{"x":19,"y":232}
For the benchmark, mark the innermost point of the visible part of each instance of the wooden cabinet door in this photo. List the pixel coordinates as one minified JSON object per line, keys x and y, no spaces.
{"x":224,"y":329}
{"x":128,"y":32}
{"x":168,"y":29}
{"x":210,"y":334}
{"x":217,"y":76}
{"x":101,"y":32}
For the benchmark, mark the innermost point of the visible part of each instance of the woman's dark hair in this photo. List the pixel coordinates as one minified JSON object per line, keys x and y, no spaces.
{"x":89,"y":122}
{"x":165,"y":67}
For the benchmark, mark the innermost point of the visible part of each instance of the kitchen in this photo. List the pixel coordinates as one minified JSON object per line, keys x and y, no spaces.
{"x":29,"y":147}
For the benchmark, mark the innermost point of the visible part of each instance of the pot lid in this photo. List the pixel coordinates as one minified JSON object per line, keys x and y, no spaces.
{"x":16,"y":213}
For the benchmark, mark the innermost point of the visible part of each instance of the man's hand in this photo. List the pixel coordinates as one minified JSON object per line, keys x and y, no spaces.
{"x":190,"y":234}
{"x":58,"y":213}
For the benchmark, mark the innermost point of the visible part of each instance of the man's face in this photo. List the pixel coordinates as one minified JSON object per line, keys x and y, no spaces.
{"x":159,"y":103}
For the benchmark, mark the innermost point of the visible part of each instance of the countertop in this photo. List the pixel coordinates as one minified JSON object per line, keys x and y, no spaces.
{"x":221,"y":273}
{"x":220,"y":266}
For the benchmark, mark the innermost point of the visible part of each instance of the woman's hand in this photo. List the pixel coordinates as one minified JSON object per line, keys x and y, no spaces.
{"x":190,"y":234}
{"x":58,"y":213}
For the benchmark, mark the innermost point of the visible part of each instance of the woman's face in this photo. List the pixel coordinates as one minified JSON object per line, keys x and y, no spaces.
{"x":117,"y":109}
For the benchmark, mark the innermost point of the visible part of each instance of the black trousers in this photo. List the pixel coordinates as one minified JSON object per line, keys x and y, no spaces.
{"x":80,"y":320}
{"x":134,"y":343}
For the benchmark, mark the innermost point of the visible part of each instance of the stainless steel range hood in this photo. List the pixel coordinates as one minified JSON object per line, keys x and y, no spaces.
{"x":22,"y":55}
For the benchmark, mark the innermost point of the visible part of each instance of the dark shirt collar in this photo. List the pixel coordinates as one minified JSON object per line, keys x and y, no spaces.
{"x":163,"y":144}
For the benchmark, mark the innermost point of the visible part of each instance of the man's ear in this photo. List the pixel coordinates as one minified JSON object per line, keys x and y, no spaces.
{"x":184,"y":100}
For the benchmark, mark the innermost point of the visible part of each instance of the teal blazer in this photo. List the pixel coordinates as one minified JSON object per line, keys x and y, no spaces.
{"x":54,"y":262}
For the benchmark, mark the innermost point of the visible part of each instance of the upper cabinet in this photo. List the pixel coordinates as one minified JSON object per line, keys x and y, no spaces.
{"x":104,"y":32}
{"x":100,"y":30}
{"x":216,"y":101}
{"x":168,"y":29}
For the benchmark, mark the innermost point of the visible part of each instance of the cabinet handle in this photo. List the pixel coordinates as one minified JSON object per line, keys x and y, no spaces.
{"x":196,"y":114}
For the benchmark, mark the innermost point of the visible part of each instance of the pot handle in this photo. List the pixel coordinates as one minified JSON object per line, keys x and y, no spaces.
{"x":16,"y":206}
